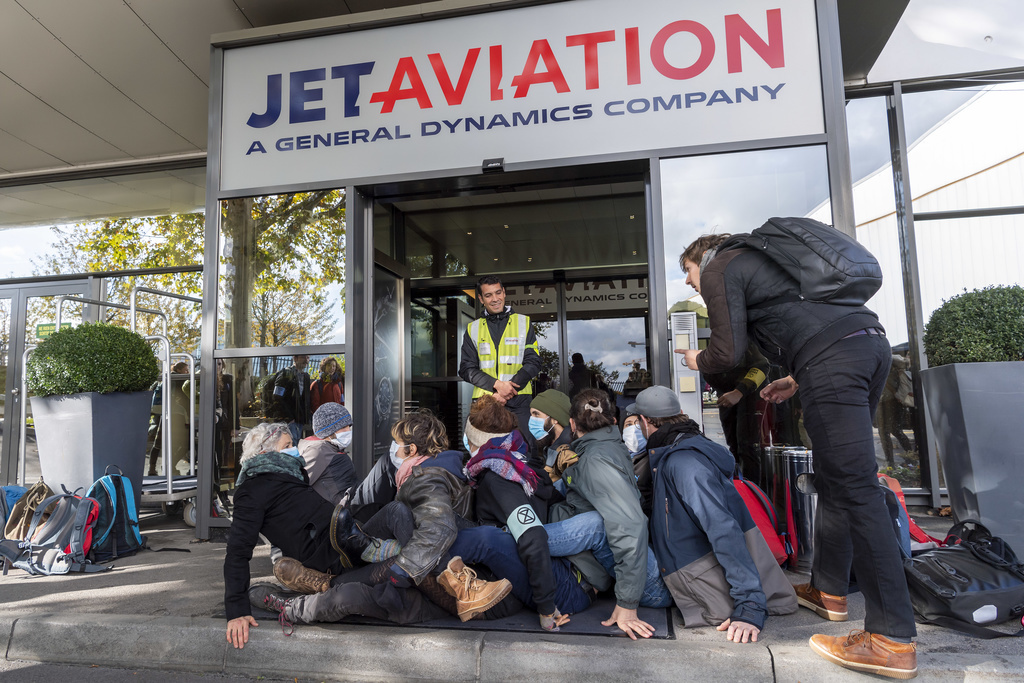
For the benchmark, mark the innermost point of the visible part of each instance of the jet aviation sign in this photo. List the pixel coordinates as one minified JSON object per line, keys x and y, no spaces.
{"x":566,"y":80}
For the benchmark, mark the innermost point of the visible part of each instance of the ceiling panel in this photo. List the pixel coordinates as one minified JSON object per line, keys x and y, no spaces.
{"x":47,"y":129}
{"x":109,"y":37}
{"x":185,"y":26}
{"x":17,"y":155}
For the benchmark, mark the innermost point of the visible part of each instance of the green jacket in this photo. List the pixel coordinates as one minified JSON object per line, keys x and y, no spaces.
{"x":603,"y":480}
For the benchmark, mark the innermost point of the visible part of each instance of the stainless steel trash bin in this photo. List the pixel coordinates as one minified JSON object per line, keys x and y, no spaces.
{"x":795,"y":501}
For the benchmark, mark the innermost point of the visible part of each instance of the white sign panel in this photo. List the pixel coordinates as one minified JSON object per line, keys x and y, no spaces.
{"x":566,"y":80}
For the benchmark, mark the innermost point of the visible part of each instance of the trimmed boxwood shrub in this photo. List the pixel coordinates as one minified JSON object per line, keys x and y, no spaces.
{"x":92,"y":357}
{"x":986,"y":325}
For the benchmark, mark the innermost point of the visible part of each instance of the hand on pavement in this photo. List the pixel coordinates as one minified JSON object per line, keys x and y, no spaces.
{"x":629,"y":623}
{"x":238,"y":630}
{"x":739,"y":631}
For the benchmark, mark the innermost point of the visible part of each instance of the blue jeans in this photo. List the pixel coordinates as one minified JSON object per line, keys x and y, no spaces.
{"x":497,"y":550}
{"x":586,"y":532}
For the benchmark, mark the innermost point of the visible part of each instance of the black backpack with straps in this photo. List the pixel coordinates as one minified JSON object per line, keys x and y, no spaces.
{"x":830,"y":266}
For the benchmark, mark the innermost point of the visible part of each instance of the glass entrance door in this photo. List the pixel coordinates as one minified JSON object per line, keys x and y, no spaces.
{"x":27,"y":316}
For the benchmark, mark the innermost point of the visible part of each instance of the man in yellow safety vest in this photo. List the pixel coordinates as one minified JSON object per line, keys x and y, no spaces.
{"x":499,"y":353}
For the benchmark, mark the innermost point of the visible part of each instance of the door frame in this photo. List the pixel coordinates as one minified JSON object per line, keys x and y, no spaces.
{"x":19,"y":295}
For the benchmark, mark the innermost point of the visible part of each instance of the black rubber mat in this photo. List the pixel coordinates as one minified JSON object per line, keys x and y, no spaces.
{"x":586,"y":623}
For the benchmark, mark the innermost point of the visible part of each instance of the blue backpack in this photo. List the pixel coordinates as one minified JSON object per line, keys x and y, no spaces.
{"x":11,"y":495}
{"x":117,"y":528}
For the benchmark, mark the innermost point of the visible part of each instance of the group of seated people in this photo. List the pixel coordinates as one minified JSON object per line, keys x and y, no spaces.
{"x":430,"y":533}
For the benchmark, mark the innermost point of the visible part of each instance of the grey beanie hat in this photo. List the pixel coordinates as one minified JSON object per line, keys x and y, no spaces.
{"x":329,"y":418}
{"x":657,"y":401}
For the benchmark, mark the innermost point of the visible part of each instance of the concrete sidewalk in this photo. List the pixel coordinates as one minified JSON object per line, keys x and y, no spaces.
{"x":157,"y":611}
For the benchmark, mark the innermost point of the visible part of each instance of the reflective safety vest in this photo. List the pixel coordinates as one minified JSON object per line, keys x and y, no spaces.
{"x":506,"y":359}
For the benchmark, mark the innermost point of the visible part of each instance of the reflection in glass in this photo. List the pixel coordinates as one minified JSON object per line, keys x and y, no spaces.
{"x":5,"y":352}
{"x":246,"y":397}
{"x":733,"y":193}
{"x":543,"y":229}
{"x":610,"y":348}
{"x":282,"y":271}
{"x":971,"y":154}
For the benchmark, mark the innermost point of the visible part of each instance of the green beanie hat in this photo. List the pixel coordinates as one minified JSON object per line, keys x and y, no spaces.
{"x":553,"y":403}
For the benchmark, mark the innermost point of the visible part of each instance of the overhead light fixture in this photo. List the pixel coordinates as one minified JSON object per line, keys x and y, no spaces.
{"x":631,"y":216}
{"x":529,"y":259}
{"x":470,"y":232}
{"x":506,"y":227}
{"x":495,"y":259}
{"x":634,"y":252}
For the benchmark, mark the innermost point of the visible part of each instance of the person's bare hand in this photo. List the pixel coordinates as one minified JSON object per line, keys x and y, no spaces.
{"x":730,"y":398}
{"x":551,"y":622}
{"x":739,"y":631}
{"x":505,"y":389}
{"x":780,"y":390}
{"x":499,"y":398}
{"x":691,"y":357}
{"x":629,"y":623}
{"x":238,"y":630}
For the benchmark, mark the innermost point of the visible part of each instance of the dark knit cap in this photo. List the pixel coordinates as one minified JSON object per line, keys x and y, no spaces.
{"x":554,"y":404}
{"x":329,"y":419}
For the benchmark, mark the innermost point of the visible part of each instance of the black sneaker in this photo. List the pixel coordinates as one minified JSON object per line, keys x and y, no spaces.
{"x":270,"y":597}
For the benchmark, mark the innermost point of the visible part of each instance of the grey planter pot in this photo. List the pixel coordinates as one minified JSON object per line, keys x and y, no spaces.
{"x":80,"y":435}
{"x":977,"y":414}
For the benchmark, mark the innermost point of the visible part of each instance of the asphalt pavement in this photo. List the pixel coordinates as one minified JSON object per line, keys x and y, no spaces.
{"x":158,"y":611}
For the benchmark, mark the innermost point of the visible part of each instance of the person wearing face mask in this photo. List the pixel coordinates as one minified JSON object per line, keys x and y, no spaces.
{"x":632,"y":435}
{"x":330,"y":468}
{"x":273,"y":498}
{"x":511,"y":494}
{"x":705,"y":530}
{"x":549,"y":425}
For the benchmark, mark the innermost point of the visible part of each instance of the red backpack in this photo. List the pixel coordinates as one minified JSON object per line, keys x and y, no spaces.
{"x":763,"y":513}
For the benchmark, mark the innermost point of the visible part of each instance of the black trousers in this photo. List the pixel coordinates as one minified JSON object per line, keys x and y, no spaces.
{"x":839,"y":392}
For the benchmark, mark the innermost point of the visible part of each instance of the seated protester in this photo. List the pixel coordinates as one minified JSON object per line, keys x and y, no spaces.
{"x":432,"y":484}
{"x":549,"y":425}
{"x":602,"y":479}
{"x":505,"y":485}
{"x":330,"y":469}
{"x":273,"y":497}
{"x":706,"y":531}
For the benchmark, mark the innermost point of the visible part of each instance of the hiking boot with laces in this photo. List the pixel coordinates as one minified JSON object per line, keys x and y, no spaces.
{"x":297,"y":577}
{"x":825,"y":605}
{"x":473,"y":596}
{"x":267,"y":597}
{"x":868,"y":652}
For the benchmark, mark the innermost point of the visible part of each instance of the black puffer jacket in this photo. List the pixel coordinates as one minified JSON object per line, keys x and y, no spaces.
{"x":736,"y":283}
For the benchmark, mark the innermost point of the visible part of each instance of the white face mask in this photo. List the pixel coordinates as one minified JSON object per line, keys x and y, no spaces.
{"x":343,"y":439}
{"x":393,"y":454}
{"x":634,"y":438}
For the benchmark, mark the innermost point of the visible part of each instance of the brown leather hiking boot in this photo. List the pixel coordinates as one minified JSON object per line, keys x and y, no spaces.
{"x":825,"y":605}
{"x":297,"y":577}
{"x":473,"y":596}
{"x":868,"y":652}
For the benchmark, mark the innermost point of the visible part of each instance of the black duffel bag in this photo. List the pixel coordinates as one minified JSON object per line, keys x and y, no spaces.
{"x":976,"y":579}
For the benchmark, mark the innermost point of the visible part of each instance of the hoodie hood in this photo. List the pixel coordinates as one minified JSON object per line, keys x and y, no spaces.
{"x":718,"y":456}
